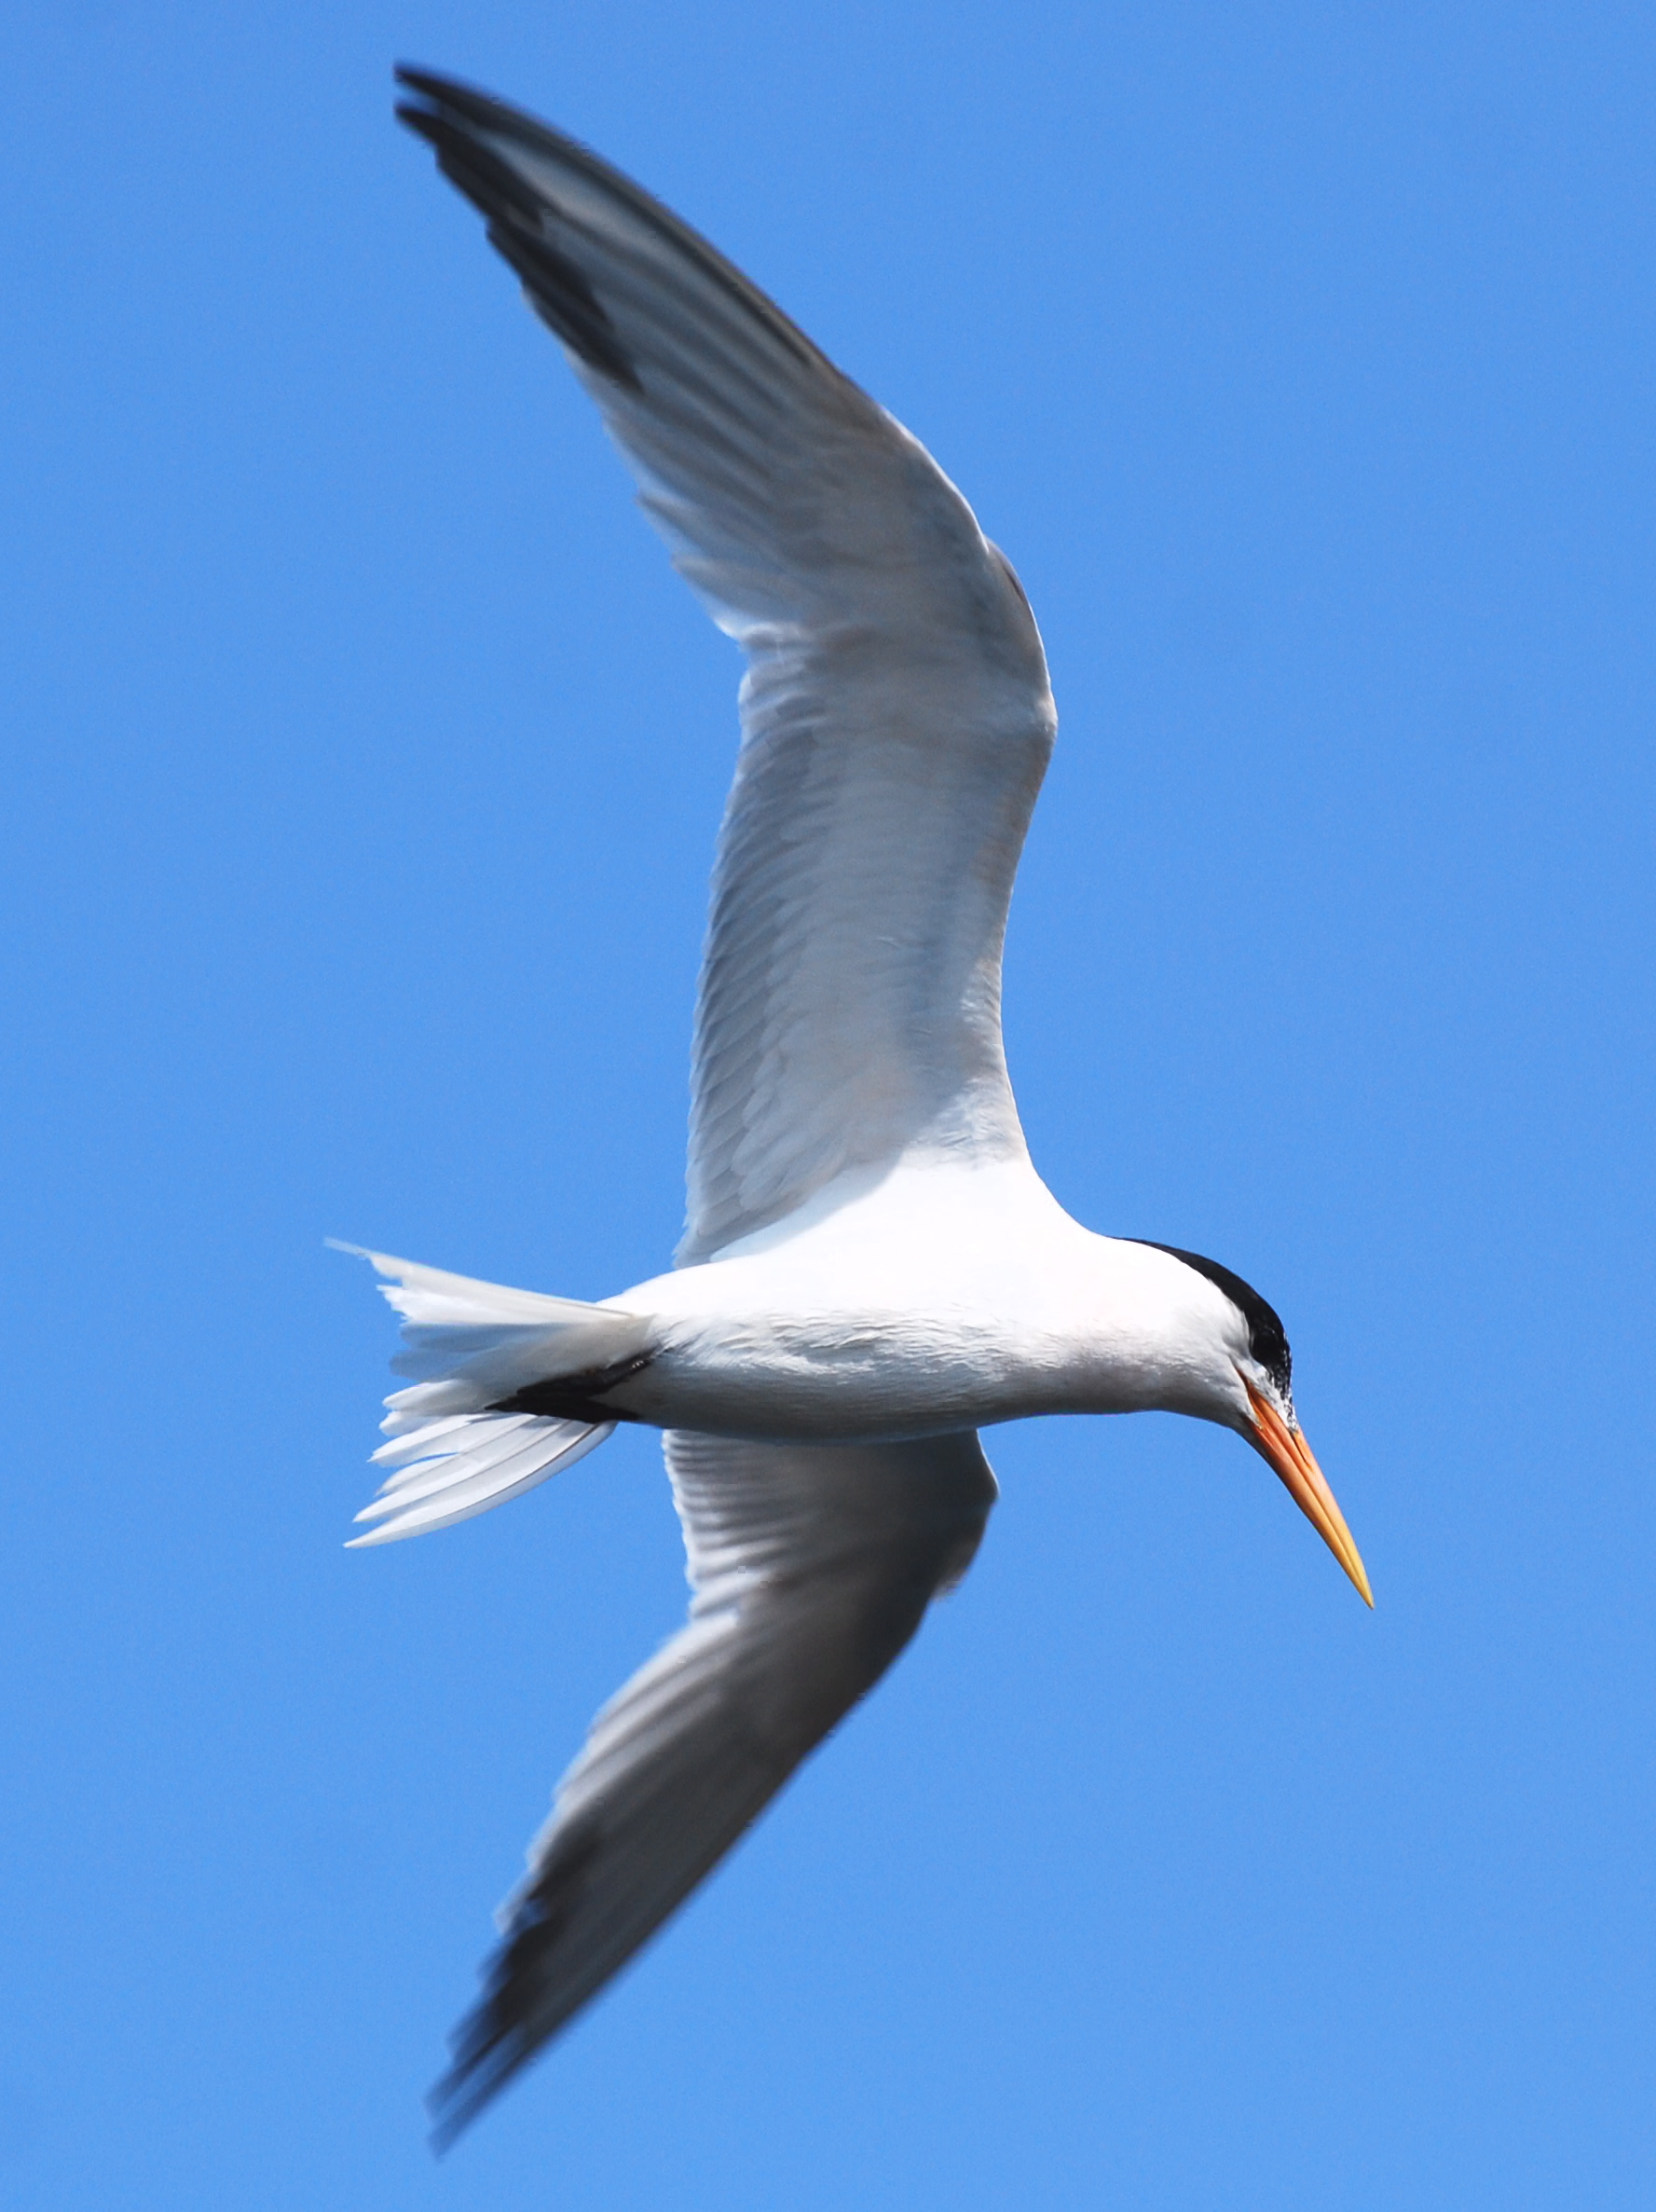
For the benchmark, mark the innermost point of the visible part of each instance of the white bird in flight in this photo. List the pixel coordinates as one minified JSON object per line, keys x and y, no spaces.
{"x":871,"y":1270}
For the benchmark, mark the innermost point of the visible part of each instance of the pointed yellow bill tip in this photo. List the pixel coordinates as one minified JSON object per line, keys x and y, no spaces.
{"x":1291,"y":1457}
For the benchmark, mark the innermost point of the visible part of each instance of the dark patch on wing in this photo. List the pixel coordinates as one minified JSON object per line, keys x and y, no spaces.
{"x":488,"y":181}
{"x":458,"y":112}
{"x":1266,"y":1337}
{"x":558,"y":291}
{"x":563,"y":299}
{"x":502,"y":2032}
{"x":574,"y":1398}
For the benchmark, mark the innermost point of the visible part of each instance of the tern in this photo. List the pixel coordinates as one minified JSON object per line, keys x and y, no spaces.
{"x":871,"y":1270}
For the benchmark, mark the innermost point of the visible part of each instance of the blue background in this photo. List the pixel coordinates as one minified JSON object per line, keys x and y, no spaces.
{"x":365,"y":762}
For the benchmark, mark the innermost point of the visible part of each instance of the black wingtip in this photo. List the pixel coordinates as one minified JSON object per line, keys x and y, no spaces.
{"x":449,"y":2122}
{"x":484,"y":2063}
{"x":432,"y":90}
{"x":469,"y":103}
{"x":449,"y":90}
{"x":517,"y":212}
{"x":445,"y":110}
{"x":452,"y":2103}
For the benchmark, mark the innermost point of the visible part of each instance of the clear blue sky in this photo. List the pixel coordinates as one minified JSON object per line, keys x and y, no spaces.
{"x":365,"y":761}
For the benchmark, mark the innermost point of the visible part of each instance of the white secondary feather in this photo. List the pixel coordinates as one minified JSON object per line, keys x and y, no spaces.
{"x":811,"y":1567}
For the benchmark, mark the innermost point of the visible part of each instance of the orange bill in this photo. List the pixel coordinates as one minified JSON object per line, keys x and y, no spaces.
{"x":1307,"y":1486}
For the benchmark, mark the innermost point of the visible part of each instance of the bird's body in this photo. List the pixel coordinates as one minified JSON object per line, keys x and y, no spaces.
{"x":871,"y":1270}
{"x":942,"y":1298}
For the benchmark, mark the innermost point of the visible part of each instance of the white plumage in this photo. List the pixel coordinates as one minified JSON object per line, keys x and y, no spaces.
{"x":871,"y":1268}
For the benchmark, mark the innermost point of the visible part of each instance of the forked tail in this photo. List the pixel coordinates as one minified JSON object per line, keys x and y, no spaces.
{"x":460,"y":1441}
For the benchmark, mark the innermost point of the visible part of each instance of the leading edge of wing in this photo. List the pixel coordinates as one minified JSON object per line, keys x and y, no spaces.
{"x":811,"y":1567}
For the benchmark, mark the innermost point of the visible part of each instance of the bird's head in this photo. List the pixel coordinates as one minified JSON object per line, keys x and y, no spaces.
{"x":1246,"y":1381}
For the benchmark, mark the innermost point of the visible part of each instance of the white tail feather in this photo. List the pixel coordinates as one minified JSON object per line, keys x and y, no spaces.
{"x":431,"y":1297}
{"x":473,"y":1344}
{"x":461,"y":1484}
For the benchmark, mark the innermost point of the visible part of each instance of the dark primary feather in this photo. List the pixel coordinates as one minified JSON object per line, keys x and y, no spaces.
{"x":560,"y":293}
{"x":452,"y":116}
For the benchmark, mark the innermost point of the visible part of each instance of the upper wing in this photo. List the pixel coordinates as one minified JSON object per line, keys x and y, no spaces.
{"x":896,"y":713}
{"x":812,"y":1566}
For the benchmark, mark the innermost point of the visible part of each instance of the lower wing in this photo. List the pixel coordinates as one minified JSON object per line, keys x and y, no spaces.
{"x":811,"y":1567}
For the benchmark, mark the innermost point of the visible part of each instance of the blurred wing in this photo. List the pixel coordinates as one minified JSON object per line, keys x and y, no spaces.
{"x":811,"y":1567}
{"x":895,"y":714}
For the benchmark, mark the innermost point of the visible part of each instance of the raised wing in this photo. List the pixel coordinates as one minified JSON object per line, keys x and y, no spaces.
{"x":811,"y":1567}
{"x":896,"y":718}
